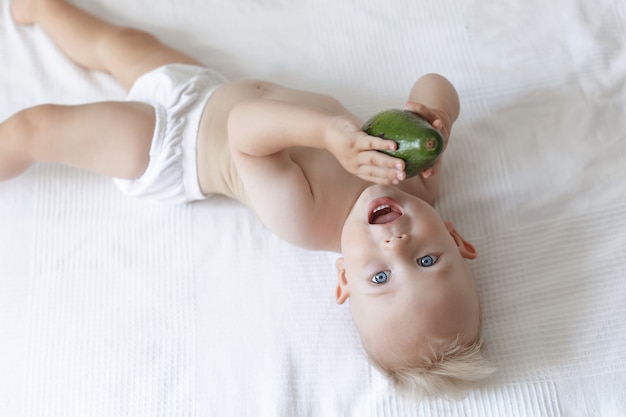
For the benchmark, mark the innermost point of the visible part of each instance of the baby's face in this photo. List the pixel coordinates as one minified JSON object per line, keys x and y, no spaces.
{"x":403,"y":270}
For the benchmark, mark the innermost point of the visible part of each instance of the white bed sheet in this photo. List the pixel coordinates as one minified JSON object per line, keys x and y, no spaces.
{"x":116,"y":307}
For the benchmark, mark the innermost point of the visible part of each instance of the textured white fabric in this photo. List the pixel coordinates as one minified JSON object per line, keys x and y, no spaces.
{"x":178,"y":94}
{"x":111,"y":306}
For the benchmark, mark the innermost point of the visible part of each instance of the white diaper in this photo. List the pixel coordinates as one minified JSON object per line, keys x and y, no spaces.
{"x":178,"y":93}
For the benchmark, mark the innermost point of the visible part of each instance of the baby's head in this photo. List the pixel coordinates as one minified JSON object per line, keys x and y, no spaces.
{"x":412,"y":294}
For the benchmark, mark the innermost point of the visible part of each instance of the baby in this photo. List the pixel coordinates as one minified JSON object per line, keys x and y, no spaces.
{"x":298,"y":159}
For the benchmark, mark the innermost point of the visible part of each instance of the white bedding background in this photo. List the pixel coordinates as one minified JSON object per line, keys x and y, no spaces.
{"x":115,"y":307}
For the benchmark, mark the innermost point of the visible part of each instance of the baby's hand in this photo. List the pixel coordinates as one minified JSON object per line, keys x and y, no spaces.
{"x":432,"y":171}
{"x":438,"y":119}
{"x":358,"y":152}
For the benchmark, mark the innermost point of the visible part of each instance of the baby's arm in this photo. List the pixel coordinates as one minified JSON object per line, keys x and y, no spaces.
{"x":266,"y":127}
{"x":267,"y":138}
{"x":434,"y":98}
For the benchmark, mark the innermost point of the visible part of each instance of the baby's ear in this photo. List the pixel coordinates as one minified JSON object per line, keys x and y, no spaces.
{"x":342,"y":292}
{"x":467,"y":249}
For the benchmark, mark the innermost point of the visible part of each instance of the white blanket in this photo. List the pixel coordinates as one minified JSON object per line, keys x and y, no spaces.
{"x":116,"y":307}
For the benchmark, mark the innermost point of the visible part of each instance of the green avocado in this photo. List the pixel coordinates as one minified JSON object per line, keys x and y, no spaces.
{"x":419,"y":143}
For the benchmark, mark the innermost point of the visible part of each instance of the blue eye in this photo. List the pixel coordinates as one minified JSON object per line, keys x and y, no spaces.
{"x":380,"y":277}
{"x":426,"y":261}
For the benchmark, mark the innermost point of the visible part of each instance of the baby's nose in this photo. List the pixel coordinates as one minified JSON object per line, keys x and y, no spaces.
{"x":396,"y":242}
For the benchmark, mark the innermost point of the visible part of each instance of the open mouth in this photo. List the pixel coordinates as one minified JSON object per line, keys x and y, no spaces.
{"x":384,"y":211}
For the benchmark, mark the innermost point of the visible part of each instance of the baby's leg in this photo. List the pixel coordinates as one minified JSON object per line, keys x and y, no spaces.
{"x":91,"y":42}
{"x":109,"y":138}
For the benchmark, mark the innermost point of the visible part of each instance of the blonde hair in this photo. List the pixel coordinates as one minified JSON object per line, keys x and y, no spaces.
{"x":446,"y":369}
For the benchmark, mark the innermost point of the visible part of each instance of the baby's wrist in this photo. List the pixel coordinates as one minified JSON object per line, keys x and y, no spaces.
{"x":336,"y":126}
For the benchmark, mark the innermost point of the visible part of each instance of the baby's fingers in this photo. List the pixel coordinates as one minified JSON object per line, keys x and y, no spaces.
{"x":378,"y":144}
{"x":380,"y":159}
{"x":374,"y":177}
{"x":431,"y":116}
{"x":380,"y":168}
{"x":422,"y":110}
{"x":432,"y":171}
{"x":429,"y":172}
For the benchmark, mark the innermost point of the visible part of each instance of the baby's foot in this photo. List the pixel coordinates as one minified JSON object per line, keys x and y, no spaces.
{"x":24,"y":11}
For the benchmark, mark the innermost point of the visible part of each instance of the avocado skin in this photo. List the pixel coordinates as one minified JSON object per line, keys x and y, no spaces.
{"x":419,"y":144}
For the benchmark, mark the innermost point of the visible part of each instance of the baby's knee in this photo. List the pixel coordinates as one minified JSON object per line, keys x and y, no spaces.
{"x":27,"y":124}
{"x":30,"y":128}
{"x":17,"y":135}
